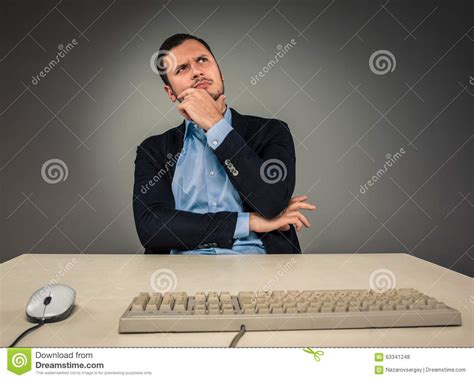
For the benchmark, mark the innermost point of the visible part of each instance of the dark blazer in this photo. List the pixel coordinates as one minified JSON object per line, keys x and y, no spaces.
{"x":247,"y":154}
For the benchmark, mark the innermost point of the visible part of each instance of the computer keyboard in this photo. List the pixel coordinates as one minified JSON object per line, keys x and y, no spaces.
{"x":284,"y":310}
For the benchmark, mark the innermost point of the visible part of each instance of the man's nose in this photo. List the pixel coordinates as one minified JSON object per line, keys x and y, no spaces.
{"x":196,"y":71}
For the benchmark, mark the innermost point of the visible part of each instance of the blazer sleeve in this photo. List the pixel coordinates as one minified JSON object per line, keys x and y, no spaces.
{"x":162,"y":227}
{"x":265,"y":181}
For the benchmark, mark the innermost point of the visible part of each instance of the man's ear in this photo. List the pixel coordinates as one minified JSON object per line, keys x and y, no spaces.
{"x":170,"y":93}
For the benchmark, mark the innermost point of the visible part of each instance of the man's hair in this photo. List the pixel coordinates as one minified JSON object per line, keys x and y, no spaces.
{"x":172,"y":42}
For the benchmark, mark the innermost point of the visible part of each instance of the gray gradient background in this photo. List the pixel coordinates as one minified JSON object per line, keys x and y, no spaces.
{"x":102,"y":100}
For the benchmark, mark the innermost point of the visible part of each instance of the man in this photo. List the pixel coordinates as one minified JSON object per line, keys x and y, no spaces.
{"x":221,"y":182}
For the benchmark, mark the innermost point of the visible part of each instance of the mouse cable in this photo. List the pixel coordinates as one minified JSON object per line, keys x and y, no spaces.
{"x":26,"y":332}
{"x":238,"y":336}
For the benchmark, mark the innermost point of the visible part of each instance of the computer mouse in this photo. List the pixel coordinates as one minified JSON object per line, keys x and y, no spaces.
{"x":52,"y":303}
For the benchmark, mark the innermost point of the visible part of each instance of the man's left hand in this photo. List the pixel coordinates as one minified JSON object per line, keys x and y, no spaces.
{"x":198,"y":105}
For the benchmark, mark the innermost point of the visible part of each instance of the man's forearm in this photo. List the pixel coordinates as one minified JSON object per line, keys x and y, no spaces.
{"x":168,"y":228}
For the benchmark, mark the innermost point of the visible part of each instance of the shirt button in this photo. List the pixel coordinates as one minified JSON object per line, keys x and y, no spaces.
{"x":212,"y":172}
{"x":214,"y":142}
{"x":214,"y":204}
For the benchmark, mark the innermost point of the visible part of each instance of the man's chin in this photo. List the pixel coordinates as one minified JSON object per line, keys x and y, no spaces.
{"x":214,"y":96}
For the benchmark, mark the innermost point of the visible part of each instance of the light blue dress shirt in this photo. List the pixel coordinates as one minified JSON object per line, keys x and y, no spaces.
{"x":200,"y":184}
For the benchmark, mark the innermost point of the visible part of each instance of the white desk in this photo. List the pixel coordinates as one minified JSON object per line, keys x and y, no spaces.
{"x":105,"y":285}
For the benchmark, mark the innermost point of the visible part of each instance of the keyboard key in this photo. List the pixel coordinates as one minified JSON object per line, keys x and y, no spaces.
{"x":246,"y":297}
{"x":277,"y":310}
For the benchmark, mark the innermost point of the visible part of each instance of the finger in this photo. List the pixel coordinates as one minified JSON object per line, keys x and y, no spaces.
{"x":289,"y":215}
{"x":220,"y":100}
{"x":286,"y":227}
{"x":299,"y":225}
{"x":292,"y":221}
{"x":221,"y":103}
{"x":304,"y":220}
{"x":301,"y":205}
{"x":298,"y":198}
{"x":301,"y":218}
{"x":186,"y":92}
{"x":185,"y":115}
{"x":183,"y":112}
{"x":292,"y":218}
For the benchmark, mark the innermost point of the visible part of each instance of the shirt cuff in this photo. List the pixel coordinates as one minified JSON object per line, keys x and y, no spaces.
{"x":217,"y":133}
{"x":243,"y":225}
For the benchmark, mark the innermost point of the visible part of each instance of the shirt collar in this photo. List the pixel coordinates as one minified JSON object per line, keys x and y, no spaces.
{"x":191,"y":126}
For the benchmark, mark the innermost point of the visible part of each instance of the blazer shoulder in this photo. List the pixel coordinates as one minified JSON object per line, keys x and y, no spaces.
{"x":162,"y":146}
{"x":163,"y":139}
{"x":269,"y":127}
{"x":165,"y":142}
{"x":257,"y":121}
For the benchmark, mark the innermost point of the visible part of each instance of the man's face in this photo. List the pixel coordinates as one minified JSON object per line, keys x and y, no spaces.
{"x":192,"y":65}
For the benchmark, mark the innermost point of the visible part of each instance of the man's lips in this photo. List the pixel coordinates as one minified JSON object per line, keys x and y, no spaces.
{"x":203,"y":84}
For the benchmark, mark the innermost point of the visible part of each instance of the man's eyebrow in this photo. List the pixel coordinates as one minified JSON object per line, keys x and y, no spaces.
{"x":183,"y":65}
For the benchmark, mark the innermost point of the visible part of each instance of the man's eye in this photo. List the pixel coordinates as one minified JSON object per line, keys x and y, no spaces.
{"x":202,"y":59}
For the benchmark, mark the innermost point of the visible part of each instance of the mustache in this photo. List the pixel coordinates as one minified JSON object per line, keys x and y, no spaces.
{"x":201,"y":80}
